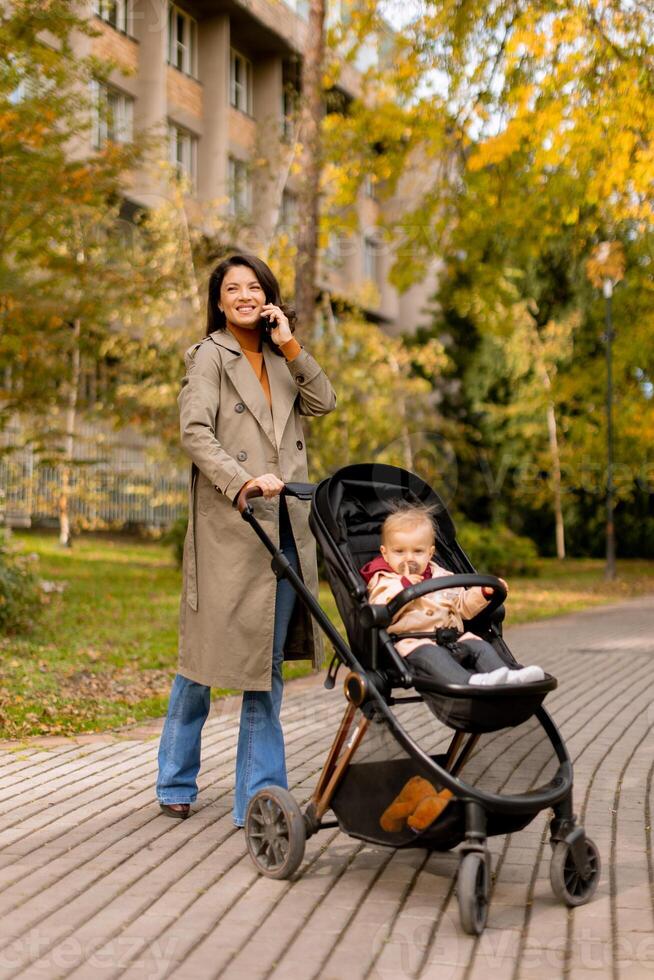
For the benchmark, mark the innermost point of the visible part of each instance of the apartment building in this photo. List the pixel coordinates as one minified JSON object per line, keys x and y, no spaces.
{"x":217,"y":79}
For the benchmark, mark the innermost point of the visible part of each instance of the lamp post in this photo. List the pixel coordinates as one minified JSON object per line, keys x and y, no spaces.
{"x":607,"y":289}
{"x":605,"y":268}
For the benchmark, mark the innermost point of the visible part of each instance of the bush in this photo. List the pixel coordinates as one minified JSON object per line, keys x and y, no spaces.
{"x":496,"y":550}
{"x":174,"y":536}
{"x":20,"y":594}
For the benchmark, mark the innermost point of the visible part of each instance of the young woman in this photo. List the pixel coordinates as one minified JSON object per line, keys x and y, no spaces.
{"x":247,"y":385}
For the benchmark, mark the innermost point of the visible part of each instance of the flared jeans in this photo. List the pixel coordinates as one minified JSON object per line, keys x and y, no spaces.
{"x":260,"y":756}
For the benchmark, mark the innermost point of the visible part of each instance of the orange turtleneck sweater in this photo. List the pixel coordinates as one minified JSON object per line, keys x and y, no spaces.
{"x":250,"y":341}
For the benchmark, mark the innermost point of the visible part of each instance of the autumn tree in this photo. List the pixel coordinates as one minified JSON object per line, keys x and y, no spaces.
{"x":83,"y":285}
{"x":384,"y":406}
{"x":548,"y":141}
{"x":310,"y":166}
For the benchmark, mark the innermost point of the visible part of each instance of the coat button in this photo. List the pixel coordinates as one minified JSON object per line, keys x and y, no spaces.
{"x":242,"y":456}
{"x":299,"y":444}
{"x":299,"y":378}
{"x":239,"y":407}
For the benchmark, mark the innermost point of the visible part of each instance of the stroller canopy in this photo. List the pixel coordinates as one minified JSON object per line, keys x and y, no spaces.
{"x":350,"y":507}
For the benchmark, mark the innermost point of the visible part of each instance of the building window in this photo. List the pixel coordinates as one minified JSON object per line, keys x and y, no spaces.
{"x":288,"y":212}
{"x":183,"y":152}
{"x":22,"y":91}
{"x":113,"y":114}
{"x":333,"y":252}
{"x":240,"y":196}
{"x":370,"y":258}
{"x":240,"y":82}
{"x":370,"y":186}
{"x":182,"y":41}
{"x":118,"y":13}
{"x":289,"y":111}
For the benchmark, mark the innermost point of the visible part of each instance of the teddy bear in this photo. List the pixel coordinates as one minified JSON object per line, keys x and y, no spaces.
{"x":417,"y":804}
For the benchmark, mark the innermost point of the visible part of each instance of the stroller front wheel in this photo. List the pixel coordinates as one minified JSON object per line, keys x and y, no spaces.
{"x":473,"y":888}
{"x":274,"y":832}
{"x":568,"y":883}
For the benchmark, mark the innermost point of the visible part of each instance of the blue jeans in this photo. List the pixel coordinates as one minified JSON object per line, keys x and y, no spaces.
{"x":260,"y":758}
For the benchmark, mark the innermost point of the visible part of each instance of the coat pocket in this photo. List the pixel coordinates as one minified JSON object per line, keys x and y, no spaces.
{"x":206,"y":497}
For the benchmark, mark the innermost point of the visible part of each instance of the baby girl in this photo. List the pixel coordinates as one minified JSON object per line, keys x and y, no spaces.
{"x":407,"y":549}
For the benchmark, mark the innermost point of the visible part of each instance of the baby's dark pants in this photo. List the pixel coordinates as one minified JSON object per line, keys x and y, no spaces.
{"x":455,"y":665}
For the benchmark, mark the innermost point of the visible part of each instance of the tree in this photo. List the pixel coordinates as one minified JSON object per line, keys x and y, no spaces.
{"x":310,"y":164}
{"x":384,"y":406}
{"x":550,"y":117}
{"x":80,"y":286}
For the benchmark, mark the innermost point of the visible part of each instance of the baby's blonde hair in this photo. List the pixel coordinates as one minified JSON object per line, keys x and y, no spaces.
{"x":407,"y":515}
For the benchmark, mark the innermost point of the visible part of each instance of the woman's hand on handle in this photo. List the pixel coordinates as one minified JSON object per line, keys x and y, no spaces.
{"x":269,"y":484}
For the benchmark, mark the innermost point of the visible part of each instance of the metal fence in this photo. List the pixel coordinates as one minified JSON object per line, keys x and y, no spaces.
{"x":118,"y":479}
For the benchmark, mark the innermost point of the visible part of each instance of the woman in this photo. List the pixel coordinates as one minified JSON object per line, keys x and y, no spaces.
{"x":246,"y":386}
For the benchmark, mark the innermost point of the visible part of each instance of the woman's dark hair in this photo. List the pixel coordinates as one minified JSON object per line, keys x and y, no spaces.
{"x":267,"y":281}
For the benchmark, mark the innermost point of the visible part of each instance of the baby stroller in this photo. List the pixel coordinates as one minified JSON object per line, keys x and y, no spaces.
{"x":495,"y":749}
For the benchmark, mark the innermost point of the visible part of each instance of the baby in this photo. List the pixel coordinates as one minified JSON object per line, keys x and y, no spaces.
{"x":407,"y":547}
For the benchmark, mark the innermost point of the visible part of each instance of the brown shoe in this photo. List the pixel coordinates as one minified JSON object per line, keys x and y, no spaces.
{"x":179,"y":810}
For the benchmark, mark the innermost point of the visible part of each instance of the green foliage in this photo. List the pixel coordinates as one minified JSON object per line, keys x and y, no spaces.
{"x":88,"y":284}
{"x":20,"y":596}
{"x":104,"y":652}
{"x":174,"y":537}
{"x":497,"y":550}
{"x":382,"y":399}
{"x":533,"y":181}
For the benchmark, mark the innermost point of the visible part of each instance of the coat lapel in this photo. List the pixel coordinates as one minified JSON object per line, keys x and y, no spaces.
{"x":245,"y":381}
{"x":282,"y":389}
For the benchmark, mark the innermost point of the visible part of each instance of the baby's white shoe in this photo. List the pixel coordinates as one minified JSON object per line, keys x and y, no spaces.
{"x":526,"y":675}
{"x":492,"y":679}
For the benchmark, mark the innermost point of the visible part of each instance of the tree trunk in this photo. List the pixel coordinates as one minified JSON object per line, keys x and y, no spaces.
{"x":69,"y":444}
{"x":331,"y":324}
{"x":556,"y":466}
{"x":310,"y":159}
{"x":407,"y":451}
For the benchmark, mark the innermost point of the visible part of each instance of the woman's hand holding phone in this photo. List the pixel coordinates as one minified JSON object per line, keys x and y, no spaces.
{"x":277,"y":324}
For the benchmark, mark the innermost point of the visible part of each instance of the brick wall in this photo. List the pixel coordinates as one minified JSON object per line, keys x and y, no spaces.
{"x":115,"y":46}
{"x":184,"y":92}
{"x":242,"y":130}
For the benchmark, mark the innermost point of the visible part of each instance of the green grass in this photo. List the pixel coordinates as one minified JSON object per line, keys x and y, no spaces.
{"x":105,"y":651}
{"x":576,"y":583}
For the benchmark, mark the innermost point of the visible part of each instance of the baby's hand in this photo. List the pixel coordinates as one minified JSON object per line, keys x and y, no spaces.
{"x":411,"y":570}
{"x":488,"y":590}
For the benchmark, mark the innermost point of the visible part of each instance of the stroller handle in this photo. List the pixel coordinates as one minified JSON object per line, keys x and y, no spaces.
{"x":303,"y":491}
{"x":449,"y":582}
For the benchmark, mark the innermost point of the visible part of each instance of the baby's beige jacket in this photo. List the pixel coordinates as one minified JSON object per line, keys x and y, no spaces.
{"x":449,"y":607}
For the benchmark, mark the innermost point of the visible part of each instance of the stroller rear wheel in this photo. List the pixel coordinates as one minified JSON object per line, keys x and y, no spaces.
{"x":473,"y":888}
{"x":274,"y":831}
{"x":568,"y":883}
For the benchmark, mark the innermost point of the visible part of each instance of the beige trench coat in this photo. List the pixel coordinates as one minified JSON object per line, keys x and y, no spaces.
{"x":227,"y":608}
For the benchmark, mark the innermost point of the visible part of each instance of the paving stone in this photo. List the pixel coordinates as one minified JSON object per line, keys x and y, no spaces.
{"x":94,"y":883}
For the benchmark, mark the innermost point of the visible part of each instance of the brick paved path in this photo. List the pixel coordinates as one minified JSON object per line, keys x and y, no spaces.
{"x":95,"y":883}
